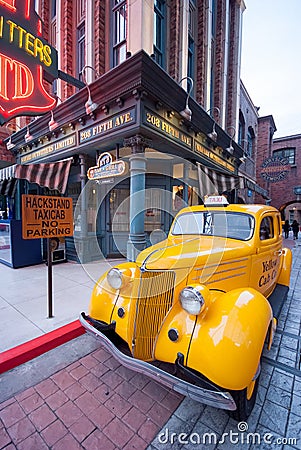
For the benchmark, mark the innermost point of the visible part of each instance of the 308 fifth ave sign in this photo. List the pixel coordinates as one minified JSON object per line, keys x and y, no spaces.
{"x":24,"y":55}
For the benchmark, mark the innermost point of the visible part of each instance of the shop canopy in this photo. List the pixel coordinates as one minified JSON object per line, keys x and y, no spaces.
{"x":8,"y":181}
{"x":51,"y":175}
{"x":211,"y":181}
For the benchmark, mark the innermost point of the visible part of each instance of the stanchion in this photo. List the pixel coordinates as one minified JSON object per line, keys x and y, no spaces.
{"x":49,"y":263}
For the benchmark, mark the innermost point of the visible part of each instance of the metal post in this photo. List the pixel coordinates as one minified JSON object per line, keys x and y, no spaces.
{"x":49,"y":263}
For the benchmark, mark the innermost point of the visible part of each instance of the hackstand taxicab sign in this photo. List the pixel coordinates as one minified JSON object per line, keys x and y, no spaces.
{"x":46,"y":217}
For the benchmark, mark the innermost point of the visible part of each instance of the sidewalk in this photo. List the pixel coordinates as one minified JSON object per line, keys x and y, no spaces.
{"x":24,"y":298}
{"x":78,"y":397}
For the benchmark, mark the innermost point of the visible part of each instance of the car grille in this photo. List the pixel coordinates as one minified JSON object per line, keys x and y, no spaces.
{"x":155,"y":296}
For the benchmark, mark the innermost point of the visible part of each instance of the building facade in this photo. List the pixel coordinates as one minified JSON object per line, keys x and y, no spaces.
{"x":248,"y":140}
{"x":286,"y":193}
{"x":154,"y":85}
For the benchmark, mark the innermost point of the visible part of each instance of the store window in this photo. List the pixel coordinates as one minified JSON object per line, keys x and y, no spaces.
{"x":178,"y":197}
{"x":119,"y":220}
{"x":159,"y":27}
{"x":153,"y":209}
{"x":288,"y":153}
{"x":119,"y":31}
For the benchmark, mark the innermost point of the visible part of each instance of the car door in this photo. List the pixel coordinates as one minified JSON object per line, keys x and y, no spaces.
{"x":266,"y":259}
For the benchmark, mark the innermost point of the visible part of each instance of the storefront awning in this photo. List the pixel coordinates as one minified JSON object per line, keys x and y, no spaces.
{"x":7,"y":172}
{"x":254,"y":187}
{"x":211,"y":181}
{"x":51,"y":175}
{"x":7,"y":181}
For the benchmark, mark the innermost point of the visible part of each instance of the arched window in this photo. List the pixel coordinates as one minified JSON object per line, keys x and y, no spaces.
{"x":250,"y":145}
{"x":241,"y":128}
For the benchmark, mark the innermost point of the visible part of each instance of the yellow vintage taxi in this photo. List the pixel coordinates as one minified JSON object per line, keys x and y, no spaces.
{"x":195,"y":311}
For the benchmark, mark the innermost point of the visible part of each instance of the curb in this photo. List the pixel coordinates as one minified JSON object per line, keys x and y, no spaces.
{"x":29,"y":350}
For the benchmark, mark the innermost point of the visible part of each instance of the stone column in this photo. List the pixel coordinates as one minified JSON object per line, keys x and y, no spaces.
{"x":137,"y":241}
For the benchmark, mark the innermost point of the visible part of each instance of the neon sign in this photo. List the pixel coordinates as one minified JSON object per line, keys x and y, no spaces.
{"x":24,"y":56}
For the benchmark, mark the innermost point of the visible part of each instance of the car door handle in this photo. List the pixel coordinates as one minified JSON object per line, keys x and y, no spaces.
{"x":278,"y":252}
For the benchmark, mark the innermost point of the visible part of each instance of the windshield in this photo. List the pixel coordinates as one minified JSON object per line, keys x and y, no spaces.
{"x":216,"y":223}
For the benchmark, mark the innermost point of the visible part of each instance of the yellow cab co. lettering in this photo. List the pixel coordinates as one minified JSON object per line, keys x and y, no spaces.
{"x":269,"y":272}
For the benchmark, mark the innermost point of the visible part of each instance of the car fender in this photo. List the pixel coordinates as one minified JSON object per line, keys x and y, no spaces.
{"x":104,"y":298}
{"x":285,"y":273}
{"x":228,"y":338}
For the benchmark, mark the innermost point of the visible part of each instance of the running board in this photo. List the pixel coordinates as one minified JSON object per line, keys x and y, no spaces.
{"x":277,"y":299}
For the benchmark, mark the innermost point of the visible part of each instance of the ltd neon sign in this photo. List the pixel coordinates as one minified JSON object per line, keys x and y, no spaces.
{"x":24,"y":57}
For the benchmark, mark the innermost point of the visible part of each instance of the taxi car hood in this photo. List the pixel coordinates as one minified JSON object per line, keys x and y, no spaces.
{"x":178,"y":253}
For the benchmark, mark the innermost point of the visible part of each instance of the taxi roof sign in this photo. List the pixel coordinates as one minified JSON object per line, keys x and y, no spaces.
{"x":215,"y":200}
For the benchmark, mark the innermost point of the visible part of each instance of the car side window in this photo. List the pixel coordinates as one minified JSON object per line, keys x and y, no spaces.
{"x":266,"y":228}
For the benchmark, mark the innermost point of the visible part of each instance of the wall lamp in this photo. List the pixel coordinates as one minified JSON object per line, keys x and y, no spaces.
{"x":52,"y":124}
{"x":89,"y":105}
{"x":28,"y":137}
{"x":244,"y":157}
{"x":213,"y":134}
{"x":187,"y":113}
{"x":230,"y":149}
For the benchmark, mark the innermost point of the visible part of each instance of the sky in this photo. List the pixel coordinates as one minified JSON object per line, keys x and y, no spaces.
{"x":271,"y":61}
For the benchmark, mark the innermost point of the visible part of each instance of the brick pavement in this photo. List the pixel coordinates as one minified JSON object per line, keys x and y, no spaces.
{"x":94,"y":403}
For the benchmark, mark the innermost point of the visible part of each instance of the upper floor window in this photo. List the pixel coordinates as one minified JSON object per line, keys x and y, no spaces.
{"x":119,"y":31}
{"x":53,"y":9}
{"x":250,"y":142}
{"x":191,"y":40}
{"x":241,"y":129}
{"x":159,"y":27}
{"x":212,"y":55}
{"x":81,"y":51}
{"x":288,"y":153}
{"x":81,"y":10}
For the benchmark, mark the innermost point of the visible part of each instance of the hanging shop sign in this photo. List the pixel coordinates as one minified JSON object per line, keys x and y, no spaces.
{"x":166,"y":128}
{"x":46,"y":217}
{"x":57,"y":146}
{"x":106,"y":168}
{"x":275,"y":169}
{"x":24,"y":56}
{"x":108,"y":126}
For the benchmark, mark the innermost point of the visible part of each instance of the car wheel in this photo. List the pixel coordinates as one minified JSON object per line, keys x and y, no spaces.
{"x":245,"y":401}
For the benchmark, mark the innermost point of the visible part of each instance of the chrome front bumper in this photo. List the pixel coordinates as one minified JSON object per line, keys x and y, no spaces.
{"x":217,"y":399}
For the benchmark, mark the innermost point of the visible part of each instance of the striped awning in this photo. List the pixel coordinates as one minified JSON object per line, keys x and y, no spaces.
{"x":7,"y":172}
{"x":7,"y":181}
{"x":51,"y":175}
{"x":213,"y":182}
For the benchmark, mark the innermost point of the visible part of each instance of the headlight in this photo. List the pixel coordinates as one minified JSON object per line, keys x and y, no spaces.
{"x":191,"y":300}
{"x":115,"y":278}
